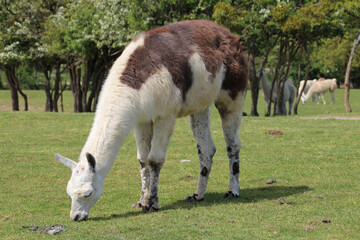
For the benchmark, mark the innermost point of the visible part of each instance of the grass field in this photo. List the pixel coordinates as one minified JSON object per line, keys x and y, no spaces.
{"x":316,"y":164}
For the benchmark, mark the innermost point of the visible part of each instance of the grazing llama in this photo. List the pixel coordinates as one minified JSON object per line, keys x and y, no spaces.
{"x":320,"y":87}
{"x":169,"y":72}
{"x":289,"y":92}
{"x":308,"y":85}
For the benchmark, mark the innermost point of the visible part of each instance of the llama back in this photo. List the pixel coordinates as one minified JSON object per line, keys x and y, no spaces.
{"x":181,"y":67}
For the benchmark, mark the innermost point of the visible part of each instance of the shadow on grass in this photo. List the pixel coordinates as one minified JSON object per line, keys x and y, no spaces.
{"x":248,"y":195}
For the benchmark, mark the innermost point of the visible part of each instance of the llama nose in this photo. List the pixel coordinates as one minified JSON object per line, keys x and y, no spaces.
{"x":80,"y":217}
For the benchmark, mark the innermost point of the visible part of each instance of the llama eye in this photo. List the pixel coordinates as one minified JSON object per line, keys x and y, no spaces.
{"x":87,"y":195}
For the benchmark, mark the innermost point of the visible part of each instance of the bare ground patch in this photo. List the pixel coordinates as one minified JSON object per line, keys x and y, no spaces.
{"x":326,"y":118}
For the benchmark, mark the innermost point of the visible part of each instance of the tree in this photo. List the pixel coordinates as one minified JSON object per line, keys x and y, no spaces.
{"x":251,"y":20}
{"x":46,"y":52}
{"x":302,"y":24}
{"x":95,"y":34}
{"x":14,"y":44}
{"x":144,"y":15}
{"x":351,"y":11}
{"x":347,"y":75}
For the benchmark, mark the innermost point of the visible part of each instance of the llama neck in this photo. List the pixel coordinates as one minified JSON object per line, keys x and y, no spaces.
{"x":113,"y":123}
{"x":309,"y":93}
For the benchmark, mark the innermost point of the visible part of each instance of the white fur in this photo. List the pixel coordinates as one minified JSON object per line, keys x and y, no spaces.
{"x":320,"y":87}
{"x":309,"y":83}
{"x":289,"y":91}
{"x":152,"y":111}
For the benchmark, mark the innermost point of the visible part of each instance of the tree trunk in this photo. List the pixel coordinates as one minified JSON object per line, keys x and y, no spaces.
{"x":75,"y":76}
{"x":1,"y":84}
{"x":306,"y":79}
{"x":56,"y":90}
{"x":86,"y":82}
{"x":254,"y":84}
{"x":287,"y":52}
{"x":47,"y":87}
{"x":13,"y":90}
{"x":281,"y":104}
{"x":14,"y":82}
{"x":347,"y":75}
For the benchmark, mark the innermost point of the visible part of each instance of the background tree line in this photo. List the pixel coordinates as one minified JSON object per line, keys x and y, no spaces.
{"x":52,"y":44}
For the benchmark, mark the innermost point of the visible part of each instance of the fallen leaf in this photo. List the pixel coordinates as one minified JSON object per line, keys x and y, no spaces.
{"x":326,"y":221}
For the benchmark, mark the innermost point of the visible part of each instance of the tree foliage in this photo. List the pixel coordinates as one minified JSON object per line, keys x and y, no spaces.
{"x":83,"y":38}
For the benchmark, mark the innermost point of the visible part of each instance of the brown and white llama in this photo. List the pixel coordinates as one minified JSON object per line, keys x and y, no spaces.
{"x":169,"y":72}
{"x":289,"y":92}
{"x":320,"y":87}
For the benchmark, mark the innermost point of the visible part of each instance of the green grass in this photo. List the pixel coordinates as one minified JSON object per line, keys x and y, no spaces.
{"x":313,"y":158}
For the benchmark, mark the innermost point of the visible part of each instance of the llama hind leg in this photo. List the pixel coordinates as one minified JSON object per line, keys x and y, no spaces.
{"x":231,"y":117}
{"x":291,"y":104}
{"x":200,"y":126}
{"x":143,"y":136}
{"x":162,"y":130}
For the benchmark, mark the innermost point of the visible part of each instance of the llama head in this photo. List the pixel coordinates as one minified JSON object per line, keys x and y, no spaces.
{"x":84,"y":187}
{"x":303,"y":99}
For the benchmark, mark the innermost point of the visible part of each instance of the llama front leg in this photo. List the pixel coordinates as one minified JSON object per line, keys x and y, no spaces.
{"x":200,"y":126}
{"x":332,"y":98}
{"x":162,"y":130}
{"x":322,"y":97}
{"x":143,"y":135}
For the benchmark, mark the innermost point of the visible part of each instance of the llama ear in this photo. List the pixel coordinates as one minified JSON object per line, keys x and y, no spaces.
{"x":91,"y":161}
{"x":66,"y":161}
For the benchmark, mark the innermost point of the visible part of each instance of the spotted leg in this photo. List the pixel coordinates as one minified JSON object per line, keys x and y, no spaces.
{"x":162,"y":130}
{"x":231,"y":116}
{"x":143,"y":136}
{"x":200,"y":126}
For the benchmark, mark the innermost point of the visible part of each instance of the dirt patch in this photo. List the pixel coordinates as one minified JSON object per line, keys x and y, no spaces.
{"x":275,"y":132}
{"x":330,"y":118}
{"x":270,"y":181}
{"x":54,"y":229}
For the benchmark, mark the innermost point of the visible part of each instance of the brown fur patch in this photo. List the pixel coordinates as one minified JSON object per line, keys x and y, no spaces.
{"x":172,"y":46}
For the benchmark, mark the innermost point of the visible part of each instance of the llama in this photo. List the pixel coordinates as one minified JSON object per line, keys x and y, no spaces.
{"x":308,"y":85}
{"x":289,"y":91}
{"x":320,"y":87}
{"x":173,"y":71}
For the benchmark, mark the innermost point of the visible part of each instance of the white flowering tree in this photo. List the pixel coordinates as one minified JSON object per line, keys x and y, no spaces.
{"x":96,"y":33}
{"x":14,"y":43}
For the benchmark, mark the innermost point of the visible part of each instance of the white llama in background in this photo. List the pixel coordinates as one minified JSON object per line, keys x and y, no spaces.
{"x":169,"y":72}
{"x":308,"y":85}
{"x":289,"y":92}
{"x":320,"y":87}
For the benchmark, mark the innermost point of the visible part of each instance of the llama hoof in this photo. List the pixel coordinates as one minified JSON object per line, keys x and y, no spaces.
{"x":194,"y":198}
{"x":150,"y":207}
{"x":230,"y":195}
{"x":137,"y":205}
